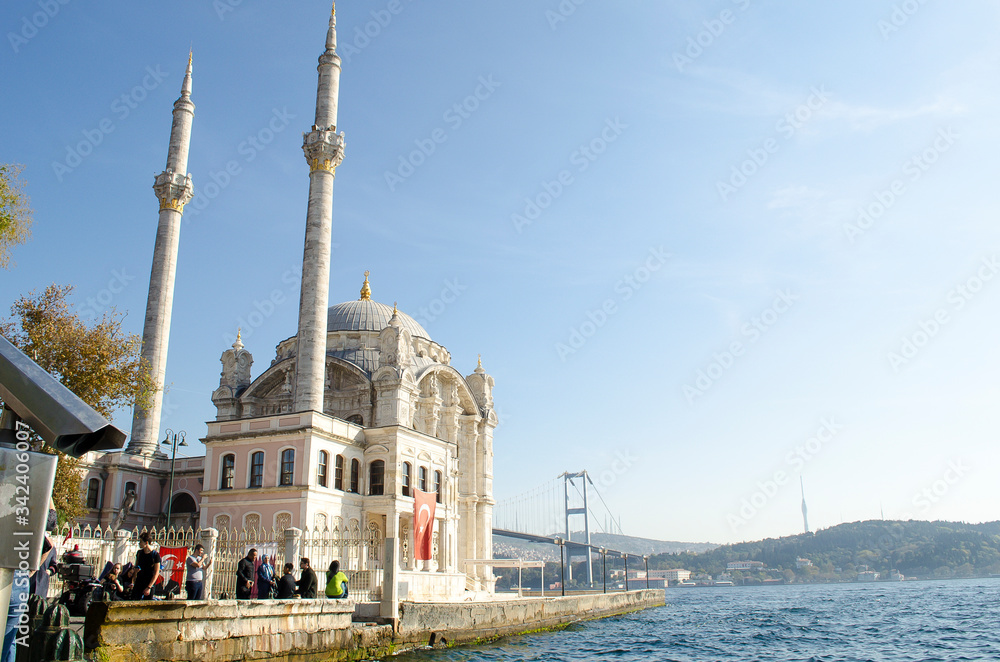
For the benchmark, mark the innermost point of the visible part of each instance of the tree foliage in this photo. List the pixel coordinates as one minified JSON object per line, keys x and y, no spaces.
{"x":101,"y":364}
{"x":15,"y":214}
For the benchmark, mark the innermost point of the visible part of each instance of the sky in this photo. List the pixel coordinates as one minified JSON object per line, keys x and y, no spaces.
{"x":706,"y":249}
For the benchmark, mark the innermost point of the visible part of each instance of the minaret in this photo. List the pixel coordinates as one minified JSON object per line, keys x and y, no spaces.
{"x":174,"y":189}
{"x":805,"y":512}
{"x":324,"y":150}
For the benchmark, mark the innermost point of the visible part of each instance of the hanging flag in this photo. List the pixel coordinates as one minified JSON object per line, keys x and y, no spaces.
{"x":172,"y":562}
{"x":423,"y":524}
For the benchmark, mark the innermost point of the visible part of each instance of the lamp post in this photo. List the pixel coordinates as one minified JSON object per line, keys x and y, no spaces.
{"x":562,"y":568}
{"x":604,"y":567}
{"x":625,"y":556}
{"x":645,"y":559}
{"x":172,"y":440}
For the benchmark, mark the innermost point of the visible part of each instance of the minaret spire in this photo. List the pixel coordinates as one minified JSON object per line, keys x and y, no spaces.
{"x":173,"y":189}
{"x":324,"y":151}
{"x":805,"y":511}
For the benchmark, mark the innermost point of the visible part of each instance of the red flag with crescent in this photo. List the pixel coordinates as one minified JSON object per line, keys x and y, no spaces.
{"x":172,"y":562}
{"x":424,"y":504}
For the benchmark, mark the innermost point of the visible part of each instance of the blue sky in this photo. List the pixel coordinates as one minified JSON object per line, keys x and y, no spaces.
{"x":649,"y":223}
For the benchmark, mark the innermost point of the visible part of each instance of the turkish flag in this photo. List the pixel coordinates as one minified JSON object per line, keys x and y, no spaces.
{"x":172,"y":562}
{"x":423,"y":524}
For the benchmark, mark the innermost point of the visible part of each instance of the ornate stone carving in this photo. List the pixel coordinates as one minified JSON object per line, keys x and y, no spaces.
{"x":324,"y":149}
{"x":174,"y":190}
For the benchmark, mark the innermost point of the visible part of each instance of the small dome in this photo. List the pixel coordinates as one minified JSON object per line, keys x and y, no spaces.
{"x":368,"y":315}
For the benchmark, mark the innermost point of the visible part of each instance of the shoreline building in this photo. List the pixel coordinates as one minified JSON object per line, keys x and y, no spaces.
{"x":356,"y":411}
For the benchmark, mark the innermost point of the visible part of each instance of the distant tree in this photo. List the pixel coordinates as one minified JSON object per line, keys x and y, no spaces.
{"x":15,"y":214}
{"x":101,"y":364}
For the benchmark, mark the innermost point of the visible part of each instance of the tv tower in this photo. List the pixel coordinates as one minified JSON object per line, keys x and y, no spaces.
{"x":805,"y":511}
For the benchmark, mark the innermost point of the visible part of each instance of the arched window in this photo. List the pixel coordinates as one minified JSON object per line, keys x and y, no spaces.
{"x":134,"y":489}
{"x":338,"y":474}
{"x":437,"y":485}
{"x":324,"y":459}
{"x":94,"y":493}
{"x":423,"y":479}
{"x":228,"y":472}
{"x":376,"y":478}
{"x":287,"y":466}
{"x":183,"y":503}
{"x":406,"y":478}
{"x":355,"y":477}
{"x":257,"y":469}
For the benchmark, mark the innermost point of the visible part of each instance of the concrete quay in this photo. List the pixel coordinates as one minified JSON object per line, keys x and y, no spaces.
{"x":307,"y":630}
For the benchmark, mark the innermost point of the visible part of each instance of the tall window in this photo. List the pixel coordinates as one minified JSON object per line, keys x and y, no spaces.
{"x":355,"y":476}
{"x":93,"y":493}
{"x":338,"y":474}
{"x":406,"y":478}
{"x":324,"y":458}
{"x":257,"y":469}
{"x":437,"y":485}
{"x":228,"y":472}
{"x":423,"y":479}
{"x":134,"y":489}
{"x":287,"y":466}
{"x":376,"y":478}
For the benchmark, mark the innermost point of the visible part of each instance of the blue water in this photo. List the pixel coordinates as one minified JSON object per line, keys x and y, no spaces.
{"x":911,"y":621}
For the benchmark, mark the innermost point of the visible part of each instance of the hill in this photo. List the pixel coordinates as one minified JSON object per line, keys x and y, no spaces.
{"x":915,"y":548}
{"x":514,"y":548}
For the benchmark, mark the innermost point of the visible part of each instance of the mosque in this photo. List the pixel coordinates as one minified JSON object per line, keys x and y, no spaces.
{"x":355,"y":411}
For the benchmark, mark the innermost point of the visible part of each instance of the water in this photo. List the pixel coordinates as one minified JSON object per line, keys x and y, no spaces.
{"x":911,"y":621}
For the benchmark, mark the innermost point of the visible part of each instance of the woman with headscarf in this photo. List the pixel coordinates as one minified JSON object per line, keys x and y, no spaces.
{"x":265,"y":579}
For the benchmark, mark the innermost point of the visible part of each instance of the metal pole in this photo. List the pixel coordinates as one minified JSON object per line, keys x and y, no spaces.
{"x":604,"y":567}
{"x":173,"y":461}
{"x":646,"y":560}
{"x":625,"y":556}
{"x":562,"y":570}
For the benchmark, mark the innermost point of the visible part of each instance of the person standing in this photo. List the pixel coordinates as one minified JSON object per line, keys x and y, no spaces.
{"x":245,"y":576}
{"x":286,"y":585}
{"x":308,"y":583}
{"x":336,"y":582}
{"x":147,"y":560}
{"x":38,"y":584}
{"x":265,"y":579}
{"x":196,"y":565}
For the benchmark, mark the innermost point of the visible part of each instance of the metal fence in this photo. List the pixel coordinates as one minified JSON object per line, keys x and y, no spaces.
{"x":359,"y":552}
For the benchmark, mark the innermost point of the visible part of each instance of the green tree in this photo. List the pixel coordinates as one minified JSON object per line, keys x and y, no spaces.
{"x":15,"y":214}
{"x":101,"y":364}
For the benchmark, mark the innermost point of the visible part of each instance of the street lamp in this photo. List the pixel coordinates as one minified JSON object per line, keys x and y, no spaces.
{"x":625,"y":556}
{"x":172,"y":440}
{"x":645,"y":559}
{"x":604,"y":567}
{"x":562,"y":567}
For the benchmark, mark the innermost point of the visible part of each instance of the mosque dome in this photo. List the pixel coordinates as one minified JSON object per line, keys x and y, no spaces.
{"x":367,"y":315}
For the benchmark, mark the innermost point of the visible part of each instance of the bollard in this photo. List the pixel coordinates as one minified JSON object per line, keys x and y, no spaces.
{"x":54,"y":640}
{"x":36,"y":611}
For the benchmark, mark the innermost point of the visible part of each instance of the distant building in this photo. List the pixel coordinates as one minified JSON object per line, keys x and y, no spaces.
{"x":745,"y":565}
{"x":803,"y":563}
{"x":677,"y":575}
{"x":867,"y":576}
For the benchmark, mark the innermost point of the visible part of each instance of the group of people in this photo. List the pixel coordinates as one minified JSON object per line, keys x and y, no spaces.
{"x":262,"y":583}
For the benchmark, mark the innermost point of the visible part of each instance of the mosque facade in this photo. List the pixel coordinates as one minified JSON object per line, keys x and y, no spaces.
{"x":356,"y":411}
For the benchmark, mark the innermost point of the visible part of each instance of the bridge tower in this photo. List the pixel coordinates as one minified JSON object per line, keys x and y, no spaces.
{"x":578,"y":550}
